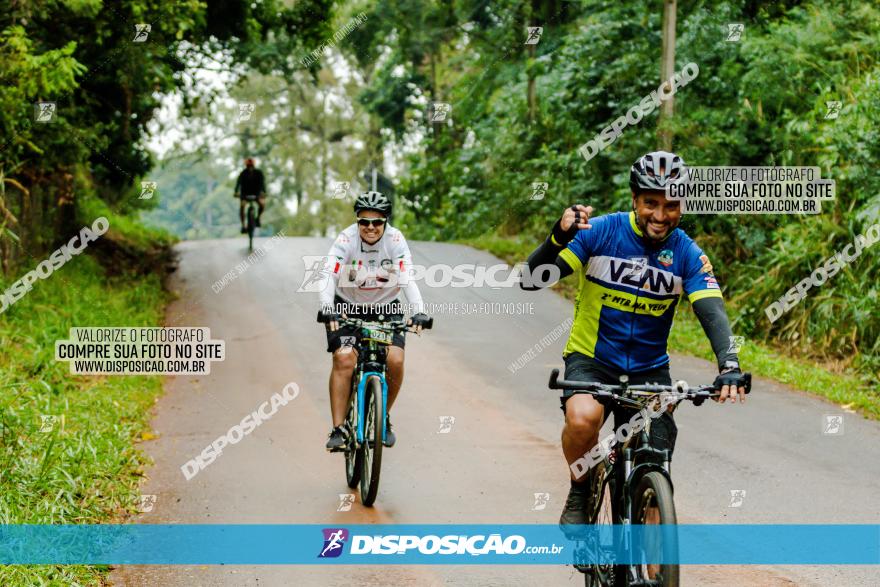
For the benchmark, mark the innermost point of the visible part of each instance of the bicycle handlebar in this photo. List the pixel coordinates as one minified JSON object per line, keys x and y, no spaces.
{"x":390,"y":326}
{"x":621,"y":392}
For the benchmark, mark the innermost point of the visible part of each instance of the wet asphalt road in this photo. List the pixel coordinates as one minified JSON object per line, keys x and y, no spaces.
{"x":502,"y":448}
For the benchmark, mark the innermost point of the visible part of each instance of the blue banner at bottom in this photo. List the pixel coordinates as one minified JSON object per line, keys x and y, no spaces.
{"x":207,"y":544}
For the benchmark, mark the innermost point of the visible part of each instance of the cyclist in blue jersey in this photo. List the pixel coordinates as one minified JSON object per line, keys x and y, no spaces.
{"x":632,"y":268}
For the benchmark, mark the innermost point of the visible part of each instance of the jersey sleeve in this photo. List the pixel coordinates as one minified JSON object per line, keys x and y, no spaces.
{"x":585,"y":244}
{"x":698,"y":279}
{"x":331,"y":268}
{"x":403,"y":259}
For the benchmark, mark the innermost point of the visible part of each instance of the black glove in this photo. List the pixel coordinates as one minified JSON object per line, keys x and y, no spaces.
{"x":328,"y":317}
{"x":734,"y":377}
{"x":563,"y":237}
{"x":422,"y":320}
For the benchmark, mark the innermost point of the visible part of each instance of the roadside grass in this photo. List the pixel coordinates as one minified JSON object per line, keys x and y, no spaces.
{"x":87,"y":470}
{"x":845,"y":388}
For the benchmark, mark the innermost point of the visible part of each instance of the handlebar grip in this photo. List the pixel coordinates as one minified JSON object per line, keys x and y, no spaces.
{"x":322,"y":317}
{"x":554,"y":377}
{"x":748,"y":380}
{"x":429,"y":325}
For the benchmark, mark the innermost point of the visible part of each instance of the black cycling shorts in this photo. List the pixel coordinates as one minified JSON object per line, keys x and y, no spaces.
{"x":579,"y":367}
{"x":349,"y":336}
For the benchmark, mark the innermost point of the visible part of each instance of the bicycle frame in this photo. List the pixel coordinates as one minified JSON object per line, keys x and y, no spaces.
{"x":371,"y":362}
{"x":632,"y":473}
{"x":361,"y":384}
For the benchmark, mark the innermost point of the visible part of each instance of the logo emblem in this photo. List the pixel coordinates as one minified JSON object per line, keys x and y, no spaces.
{"x":334,"y":540}
{"x":446,"y":424}
{"x":141,"y":32}
{"x":246,"y":110}
{"x":340,"y":190}
{"x":539,"y":190}
{"x":146,"y":503}
{"x":737,"y":497}
{"x":735,"y":31}
{"x":833,"y":424}
{"x":707,"y":265}
{"x":833,"y":107}
{"x":736,"y":343}
{"x":535,"y":33}
{"x":439,"y":111}
{"x":44,"y":111}
{"x":147,"y":189}
{"x":541,"y":500}
{"x":317,"y":276}
{"x":345,"y":502}
{"x":638,"y":266}
{"x":49,"y":421}
{"x":665,"y":257}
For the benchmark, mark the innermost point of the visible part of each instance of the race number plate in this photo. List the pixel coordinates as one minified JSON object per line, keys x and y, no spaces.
{"x":379,"y":335}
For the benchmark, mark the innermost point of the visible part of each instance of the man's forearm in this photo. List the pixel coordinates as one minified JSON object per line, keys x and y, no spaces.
{"x":547,"y":254}
{"x":713,"y":319}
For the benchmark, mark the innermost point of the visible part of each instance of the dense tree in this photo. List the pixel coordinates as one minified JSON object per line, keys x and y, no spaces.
{"x":759,"y":101}
{"x":104,"y":66}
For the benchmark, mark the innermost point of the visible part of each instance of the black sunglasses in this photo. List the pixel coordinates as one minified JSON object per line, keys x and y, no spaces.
{"x":372,"y":221}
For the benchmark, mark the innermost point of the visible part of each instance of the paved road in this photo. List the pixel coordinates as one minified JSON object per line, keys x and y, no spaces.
{"x":502,"y":449}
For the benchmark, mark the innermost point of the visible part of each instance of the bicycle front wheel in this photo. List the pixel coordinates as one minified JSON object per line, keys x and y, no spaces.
{"x":354,"y":456}
{"x":653,"y":504}
{"x":374,"y":427}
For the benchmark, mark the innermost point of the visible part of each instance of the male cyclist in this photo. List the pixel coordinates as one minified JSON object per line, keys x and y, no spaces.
{"x":250,"y":182}
{"x":632,"y":267}
{"x":372,"y":256}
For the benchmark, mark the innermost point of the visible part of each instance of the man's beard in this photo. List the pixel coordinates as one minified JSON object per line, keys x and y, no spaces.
{"x":643,"y":226}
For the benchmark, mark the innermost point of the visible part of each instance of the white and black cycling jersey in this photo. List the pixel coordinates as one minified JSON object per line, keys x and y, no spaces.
{"x":371,"y":274}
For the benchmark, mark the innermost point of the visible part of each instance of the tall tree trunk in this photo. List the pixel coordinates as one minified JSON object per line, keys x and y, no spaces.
{"x":531,"y":98}
{"x":667,"y":67}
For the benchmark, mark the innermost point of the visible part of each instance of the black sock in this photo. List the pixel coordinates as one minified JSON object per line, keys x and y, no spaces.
{"x":582,"y":484}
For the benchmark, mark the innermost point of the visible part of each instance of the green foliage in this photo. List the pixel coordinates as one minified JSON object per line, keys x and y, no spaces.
{"x":82,"y":56}
{"x":88,"y":472}
{"x":760,"y":101}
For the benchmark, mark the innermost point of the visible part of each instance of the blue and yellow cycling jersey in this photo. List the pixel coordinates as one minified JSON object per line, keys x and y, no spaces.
{"x":628,"y":291}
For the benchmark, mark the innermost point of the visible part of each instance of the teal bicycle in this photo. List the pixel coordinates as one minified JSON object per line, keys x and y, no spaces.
{"x":367,"y":406}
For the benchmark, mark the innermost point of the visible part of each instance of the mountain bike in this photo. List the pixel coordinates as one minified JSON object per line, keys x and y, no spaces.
{"x":250,"y":219}
{"x":367,"y":405}
{"x":631,"y":485}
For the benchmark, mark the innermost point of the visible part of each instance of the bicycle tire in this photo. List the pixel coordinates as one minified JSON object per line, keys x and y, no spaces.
{"x":353,"y":455}
{"x":655,"y":489}
{"x":251,"y":224}
{"x":374,"y":426}
{"x":602,"y":510}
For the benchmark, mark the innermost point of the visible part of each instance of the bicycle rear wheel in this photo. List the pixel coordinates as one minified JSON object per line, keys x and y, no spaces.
{"x":374,"y":427}
{"x":251,"y":225}
{"x":602,"y":513}
{"x":653,"y":504}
